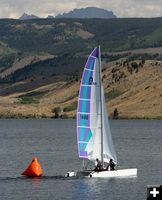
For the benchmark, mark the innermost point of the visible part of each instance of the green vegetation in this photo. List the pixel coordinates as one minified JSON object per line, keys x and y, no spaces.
{"x":59,"y":37}
{"x":51,"y":67}
{"x":112,"y":94}
{"x":31,"y":97}
{"x":56,"y":112}
{"x":7,"y":60}
{"x":71,"y":107}
{"x":115,"y":114}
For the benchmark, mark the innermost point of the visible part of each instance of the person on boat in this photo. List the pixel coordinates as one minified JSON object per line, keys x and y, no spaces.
{"x":111,"y":165}
{"x":99,"y":166}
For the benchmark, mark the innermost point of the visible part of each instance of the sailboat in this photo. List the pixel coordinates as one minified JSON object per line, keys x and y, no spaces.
{"x":93,"y":130}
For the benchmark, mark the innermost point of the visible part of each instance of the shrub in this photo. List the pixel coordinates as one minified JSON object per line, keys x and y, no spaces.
{"x":134,"y":65}
{"x":57,"y":109}
{"x":71,"y":107}
{"x":112,"y":94}
{"x":115,"y":114}
{"x":31,"y":97}
{"x":56,"y":112}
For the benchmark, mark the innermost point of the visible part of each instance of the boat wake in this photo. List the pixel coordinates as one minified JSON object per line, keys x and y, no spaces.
{"x":29,"y":178}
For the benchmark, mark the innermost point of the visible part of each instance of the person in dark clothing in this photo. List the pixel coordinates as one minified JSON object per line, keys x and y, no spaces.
{"x":99,"y":166}
{"x":111,"y":165}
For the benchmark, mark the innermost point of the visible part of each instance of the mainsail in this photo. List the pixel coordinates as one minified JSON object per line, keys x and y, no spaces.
{"x":91,"y":126}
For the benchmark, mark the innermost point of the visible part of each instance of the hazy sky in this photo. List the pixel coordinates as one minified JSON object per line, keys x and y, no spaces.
{"x":43,"y":8}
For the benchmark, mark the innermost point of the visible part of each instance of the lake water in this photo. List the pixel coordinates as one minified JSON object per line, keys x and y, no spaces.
{"x":138,"y":143}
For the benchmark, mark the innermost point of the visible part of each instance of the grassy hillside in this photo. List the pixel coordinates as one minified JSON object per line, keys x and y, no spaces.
{"x":133,"y":88}
{"x":72,"y":39}
{"x":41,"y":62}
{"x":57,"y":36}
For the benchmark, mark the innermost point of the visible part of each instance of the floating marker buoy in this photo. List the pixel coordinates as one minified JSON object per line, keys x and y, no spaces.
{"x":34,"y":169}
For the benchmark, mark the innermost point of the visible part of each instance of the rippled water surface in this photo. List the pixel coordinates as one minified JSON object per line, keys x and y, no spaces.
{"x":138,"y":143}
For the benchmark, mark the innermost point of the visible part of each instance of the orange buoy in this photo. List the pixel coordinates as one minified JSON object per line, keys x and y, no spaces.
{"x":34,"y":169}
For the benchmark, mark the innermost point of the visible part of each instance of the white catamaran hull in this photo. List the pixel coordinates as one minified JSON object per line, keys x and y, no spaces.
{"x":115,"y":173}
{"x":104,"y":174}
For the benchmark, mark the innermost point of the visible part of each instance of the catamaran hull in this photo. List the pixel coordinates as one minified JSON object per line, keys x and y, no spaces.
{"x":71,"y":174}
{"x":104,"y":174}
{"x":115,"y":173}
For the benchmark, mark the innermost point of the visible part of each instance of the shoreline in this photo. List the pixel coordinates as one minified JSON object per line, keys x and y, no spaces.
{"x":59,"y":118}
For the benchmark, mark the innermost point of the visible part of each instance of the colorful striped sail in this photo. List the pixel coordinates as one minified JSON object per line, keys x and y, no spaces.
{"x":89,"y":114}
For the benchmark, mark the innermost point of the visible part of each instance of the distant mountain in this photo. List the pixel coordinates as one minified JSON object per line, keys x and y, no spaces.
{"x":26,"y":17}
{"x":89,"y":12}
{"x":50,"y":17}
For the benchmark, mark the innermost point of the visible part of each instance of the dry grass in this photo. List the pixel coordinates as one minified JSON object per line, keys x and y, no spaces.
{"x":139,"y":95}
{"x":84,"y":34}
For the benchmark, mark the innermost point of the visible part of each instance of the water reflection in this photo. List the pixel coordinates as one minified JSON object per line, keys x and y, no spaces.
{"x":36,"y":182}
{"x":113,"y":188}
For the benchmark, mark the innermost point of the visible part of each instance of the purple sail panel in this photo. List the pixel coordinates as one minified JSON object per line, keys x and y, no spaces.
{"x":84,"y":133}
{"x":83,"y":119}
{"x":84,"y":106}
{"x":85,"y":92}
{"x":84,"y":136}
{"x":95,"y":52}
{"x":87,"y":77}
{"x":83,"y":154}
{"x":90,"y":63}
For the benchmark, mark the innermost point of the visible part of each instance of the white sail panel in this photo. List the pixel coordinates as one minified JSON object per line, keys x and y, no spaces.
{"x":108,"y":147}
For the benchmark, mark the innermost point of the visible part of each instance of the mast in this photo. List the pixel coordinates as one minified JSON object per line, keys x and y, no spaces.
{"x":100,"y":82}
